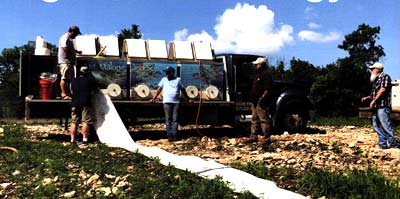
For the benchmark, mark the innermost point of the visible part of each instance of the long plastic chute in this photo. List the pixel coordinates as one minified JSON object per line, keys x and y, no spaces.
{"x":111,"y":131}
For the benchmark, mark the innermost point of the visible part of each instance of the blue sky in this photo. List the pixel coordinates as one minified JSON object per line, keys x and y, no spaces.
{"x":309,"y":30}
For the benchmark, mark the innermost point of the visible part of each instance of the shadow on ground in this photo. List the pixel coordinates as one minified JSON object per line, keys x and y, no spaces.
{"x":140,"y":133}
{"x":66,"y":137}
{"x":212,"y":132}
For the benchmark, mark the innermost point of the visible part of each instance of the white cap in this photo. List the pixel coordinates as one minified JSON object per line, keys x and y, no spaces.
{"x":376,"y":65}
{"x":259,"y":60}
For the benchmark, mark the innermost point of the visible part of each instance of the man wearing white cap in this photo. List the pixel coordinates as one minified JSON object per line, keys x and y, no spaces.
{"x":260,"y":96}
{"x":381,"y":107}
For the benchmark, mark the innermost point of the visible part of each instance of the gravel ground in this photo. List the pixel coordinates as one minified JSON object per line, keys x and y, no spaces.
{"x":326,"y":147}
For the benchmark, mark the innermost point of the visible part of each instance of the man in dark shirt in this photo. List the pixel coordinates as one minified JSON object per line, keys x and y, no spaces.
{"x":81,"y":107}
{"x":381,"y":106}
{"x":260,"y":95}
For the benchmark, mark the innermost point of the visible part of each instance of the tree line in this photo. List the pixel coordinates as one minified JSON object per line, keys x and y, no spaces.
{"x":335,"y":88}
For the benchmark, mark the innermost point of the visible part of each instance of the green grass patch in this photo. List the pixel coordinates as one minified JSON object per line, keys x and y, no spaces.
{"x":51,"y":169}
{"x":352,"y":184}
{"x":314,"y":182}
{"x":341,"y":121}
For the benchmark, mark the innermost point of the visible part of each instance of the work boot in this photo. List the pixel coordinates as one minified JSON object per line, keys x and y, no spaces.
{"x":171,"y":138}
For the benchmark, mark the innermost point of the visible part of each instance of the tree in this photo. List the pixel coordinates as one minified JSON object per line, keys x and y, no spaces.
{"x":361,"y":46}
{"x":303,"y":71}
{"x":339,"y":89}
{"x":9,"y":60}
{"x":9,"y":79}
{"x":278,"y":71}
{"x":133,"y":33}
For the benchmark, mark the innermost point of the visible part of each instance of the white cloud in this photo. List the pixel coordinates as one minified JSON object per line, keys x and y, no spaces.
{"x":313,"y":25}
{"x":318,"y":1}
{"x":181,"y":34}
{"x":308,"y":35}
{"x":308,"y":9}
{"x":245,"y":29}
{"x":309,"y":13}
{"x":314,"y":1}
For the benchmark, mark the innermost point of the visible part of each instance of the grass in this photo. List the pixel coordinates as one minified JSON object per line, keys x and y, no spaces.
{"x":341,"y":121}
{"x":315,"y":182}
{"x":52,"y":169}
{"x":352,"y":184}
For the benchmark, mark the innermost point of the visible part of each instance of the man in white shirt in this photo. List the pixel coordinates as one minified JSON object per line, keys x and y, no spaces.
{"x":171,"y":85}
{"x":67,"y":59}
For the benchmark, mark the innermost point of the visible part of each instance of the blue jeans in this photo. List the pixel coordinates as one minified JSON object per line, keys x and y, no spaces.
{"x":381,"y":123}
{"x":171,"y":117}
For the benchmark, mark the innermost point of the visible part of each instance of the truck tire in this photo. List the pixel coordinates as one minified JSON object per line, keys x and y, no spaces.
{"x":294,"y":121}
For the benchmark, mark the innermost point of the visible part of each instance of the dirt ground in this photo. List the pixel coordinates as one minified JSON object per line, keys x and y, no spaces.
{"x":322,"y":146}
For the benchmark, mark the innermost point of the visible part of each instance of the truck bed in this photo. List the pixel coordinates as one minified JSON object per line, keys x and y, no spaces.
{"x":365,"y":112}
{"x":211,"y":112}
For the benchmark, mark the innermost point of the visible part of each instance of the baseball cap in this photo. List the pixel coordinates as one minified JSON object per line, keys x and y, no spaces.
{"x":376,"y":65}
{"x":74,"y":29}
{"x":259,"y":60}
{"x":169,"y":69}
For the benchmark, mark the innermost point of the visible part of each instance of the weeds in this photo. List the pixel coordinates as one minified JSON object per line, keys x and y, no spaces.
{"x":357,"y":151}
{"x":323,"y":146}
{"x":220,"y":145}
{"x":191,"y":144}
{"x":336,"y":148}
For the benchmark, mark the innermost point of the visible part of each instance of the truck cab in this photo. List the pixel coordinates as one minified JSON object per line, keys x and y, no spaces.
{"x":292,"y":108}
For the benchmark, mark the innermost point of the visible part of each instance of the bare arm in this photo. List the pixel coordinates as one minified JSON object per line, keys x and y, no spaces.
{"x":264,"y":95}
{"x":378,"y":95}
{"x":184,"y":93}
{"x":159,"y":89}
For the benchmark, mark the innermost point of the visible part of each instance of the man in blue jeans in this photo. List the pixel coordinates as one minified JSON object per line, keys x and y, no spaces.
{"x":171,"y":85}
{"x":381,"y":106}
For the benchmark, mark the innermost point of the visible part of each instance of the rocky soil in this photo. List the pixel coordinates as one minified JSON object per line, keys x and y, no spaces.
{"x":324,"y":146}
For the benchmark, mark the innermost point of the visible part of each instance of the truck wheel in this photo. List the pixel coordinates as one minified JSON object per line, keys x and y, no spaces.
{"x":294,"y":122}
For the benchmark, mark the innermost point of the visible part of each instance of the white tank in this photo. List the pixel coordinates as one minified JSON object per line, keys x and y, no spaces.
{"x":396,"y":95}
